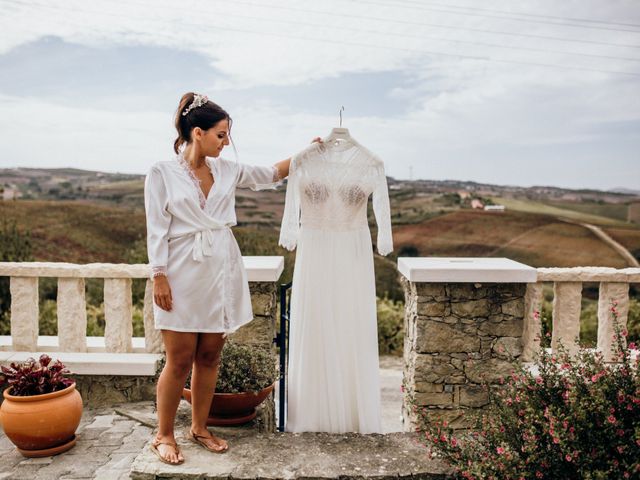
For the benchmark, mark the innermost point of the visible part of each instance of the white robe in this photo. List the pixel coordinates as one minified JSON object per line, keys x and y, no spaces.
{"x":334,"y":383}
{"x":190,"y":238}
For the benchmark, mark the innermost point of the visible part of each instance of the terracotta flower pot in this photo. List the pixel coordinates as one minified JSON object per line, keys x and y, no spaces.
{"x":42,"y":425}
{"x":233,"y":408}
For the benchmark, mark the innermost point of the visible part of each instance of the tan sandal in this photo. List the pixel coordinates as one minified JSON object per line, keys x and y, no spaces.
{"x":198,"y":439}
{"x":154,"y":449}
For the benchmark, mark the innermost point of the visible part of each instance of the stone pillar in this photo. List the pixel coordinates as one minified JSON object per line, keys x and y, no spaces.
{"x":118,"y":311}
{"x":72,"y":315}
{"x":565,"y":330}
{"x":24,"y":314}
{"x":263,"y":274}
{"x":608,"y":294}
{"x":260,"y":334}
{"x":464,"y":323}
{"x":152,"y":337}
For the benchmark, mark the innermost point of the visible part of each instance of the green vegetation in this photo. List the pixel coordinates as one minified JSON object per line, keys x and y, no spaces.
{"x":390,"y":327}
{"x":15,"y":246}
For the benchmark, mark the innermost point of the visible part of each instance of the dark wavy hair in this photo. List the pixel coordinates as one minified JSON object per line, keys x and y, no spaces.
{"x":205,"y":117}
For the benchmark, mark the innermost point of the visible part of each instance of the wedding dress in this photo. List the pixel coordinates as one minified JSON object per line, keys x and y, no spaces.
{"x":333,"y":378}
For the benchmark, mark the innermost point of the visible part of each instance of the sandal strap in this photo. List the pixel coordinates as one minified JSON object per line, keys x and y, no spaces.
{"x":155,"y":443}
{"x":207,"y":437}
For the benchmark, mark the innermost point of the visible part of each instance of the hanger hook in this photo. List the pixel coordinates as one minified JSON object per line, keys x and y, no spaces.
{"x":340,"y":112}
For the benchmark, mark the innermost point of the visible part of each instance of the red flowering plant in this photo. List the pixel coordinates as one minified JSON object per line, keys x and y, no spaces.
{"x":565,"y":417}
{"x":35,"y":378}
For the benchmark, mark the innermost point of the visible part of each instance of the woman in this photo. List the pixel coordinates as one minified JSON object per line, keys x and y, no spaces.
{"x":200,"y":287}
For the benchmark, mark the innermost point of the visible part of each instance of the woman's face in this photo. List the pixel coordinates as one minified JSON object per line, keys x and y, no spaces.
{"x":215,"y":139}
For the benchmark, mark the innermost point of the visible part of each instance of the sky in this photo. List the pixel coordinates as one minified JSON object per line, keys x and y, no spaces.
{"x":508,"y":92}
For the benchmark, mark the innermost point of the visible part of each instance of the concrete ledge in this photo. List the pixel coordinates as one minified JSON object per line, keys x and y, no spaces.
{"x":465,"y":270}
{"x":129,"y":364}
{"x":263,"y":268}
{"x":49,"y":343}
{"x":298,"y":456}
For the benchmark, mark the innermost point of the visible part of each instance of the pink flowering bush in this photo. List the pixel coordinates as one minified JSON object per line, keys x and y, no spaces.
{"x":574,"y":418}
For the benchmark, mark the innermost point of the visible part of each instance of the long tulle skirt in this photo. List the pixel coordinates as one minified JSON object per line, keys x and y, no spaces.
{"x":334,"y":383}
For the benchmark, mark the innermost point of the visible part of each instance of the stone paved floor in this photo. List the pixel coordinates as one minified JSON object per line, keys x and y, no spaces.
{"x":110,"y":439}
{"x":106,"y":447}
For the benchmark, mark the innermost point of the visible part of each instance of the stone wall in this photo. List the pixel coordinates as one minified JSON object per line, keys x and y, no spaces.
{"x":105,"y":390}
{"x":458,"y":336}
{"x":260,"y":333}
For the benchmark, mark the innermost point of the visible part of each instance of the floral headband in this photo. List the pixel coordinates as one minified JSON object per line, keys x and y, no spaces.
{"x":198,"y":101}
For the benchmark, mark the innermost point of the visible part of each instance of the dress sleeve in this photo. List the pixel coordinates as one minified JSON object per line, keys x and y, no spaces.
{"x":156,"y":203}
{"x":291,"y":217}
{"x":257,"y":177}
{"x":382,"y":212}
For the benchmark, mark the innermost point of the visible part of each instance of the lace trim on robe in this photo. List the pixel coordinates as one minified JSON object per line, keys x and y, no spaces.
{"x":197,"y":183}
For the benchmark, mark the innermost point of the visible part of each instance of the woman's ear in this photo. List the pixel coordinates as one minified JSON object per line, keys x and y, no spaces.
{"x":196,"y":133}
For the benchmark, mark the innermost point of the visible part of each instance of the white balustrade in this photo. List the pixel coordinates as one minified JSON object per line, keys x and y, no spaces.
{"x":72,"y":309}
{"x":567,"y":289}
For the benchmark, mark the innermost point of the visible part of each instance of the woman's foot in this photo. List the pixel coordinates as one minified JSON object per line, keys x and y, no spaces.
{"x":167,"y":450}
{"x":208,"y":440}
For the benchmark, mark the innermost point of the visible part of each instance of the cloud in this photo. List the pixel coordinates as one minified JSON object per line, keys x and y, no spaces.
{"x":99,"y":82}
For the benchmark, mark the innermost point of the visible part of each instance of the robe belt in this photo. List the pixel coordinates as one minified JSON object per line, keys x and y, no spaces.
{"x":203,"y":242}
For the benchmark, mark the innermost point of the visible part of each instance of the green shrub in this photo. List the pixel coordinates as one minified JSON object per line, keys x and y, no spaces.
{"x":390,"y":326}
{"x":244,"y":368}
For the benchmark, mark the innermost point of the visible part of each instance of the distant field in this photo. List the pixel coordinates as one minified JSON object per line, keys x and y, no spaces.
{"x":615,"y":211}
{"x":531,"y":206}
{"x":74,"y":231}
{"x":534,"y":239}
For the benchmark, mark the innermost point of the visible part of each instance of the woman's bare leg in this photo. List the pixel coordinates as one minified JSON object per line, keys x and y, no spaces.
{"x":203,"y":382}
{"x":180,"y":349}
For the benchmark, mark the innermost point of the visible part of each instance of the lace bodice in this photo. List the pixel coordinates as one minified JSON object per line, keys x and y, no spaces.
{"x":328,"y":188}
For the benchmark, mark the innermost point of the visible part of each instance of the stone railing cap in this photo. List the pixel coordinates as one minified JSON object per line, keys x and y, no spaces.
{"x":465,"y":270}
{"x":259,"y":269}
{"x":263,"y":269}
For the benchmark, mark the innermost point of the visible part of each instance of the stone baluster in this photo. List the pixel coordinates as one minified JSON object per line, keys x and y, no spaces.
{"x":72,"y":315}
{"x":532,"y":322}
{"x":152,"y":337}
{"x":567,"y":298}
{"x":24,"y":313}
{"x":118,"y":311}
{"x":608,"y":294}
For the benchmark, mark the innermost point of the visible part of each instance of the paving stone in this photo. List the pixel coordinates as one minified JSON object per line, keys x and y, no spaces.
{"x":71,"y":468}
{"x":90,"y":433}
{"x":111,"y":439}
{"x":102,"y":421}
{"x":123,"y":425}
{"x":22,"y":472}
{"x":118,"y":464}
{"x":37,"y":461}
{"x":136,"y":441}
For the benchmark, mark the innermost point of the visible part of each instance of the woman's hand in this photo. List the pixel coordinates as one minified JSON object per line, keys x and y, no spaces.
{"x":162,"y":292}
{"x":317,"y":140}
